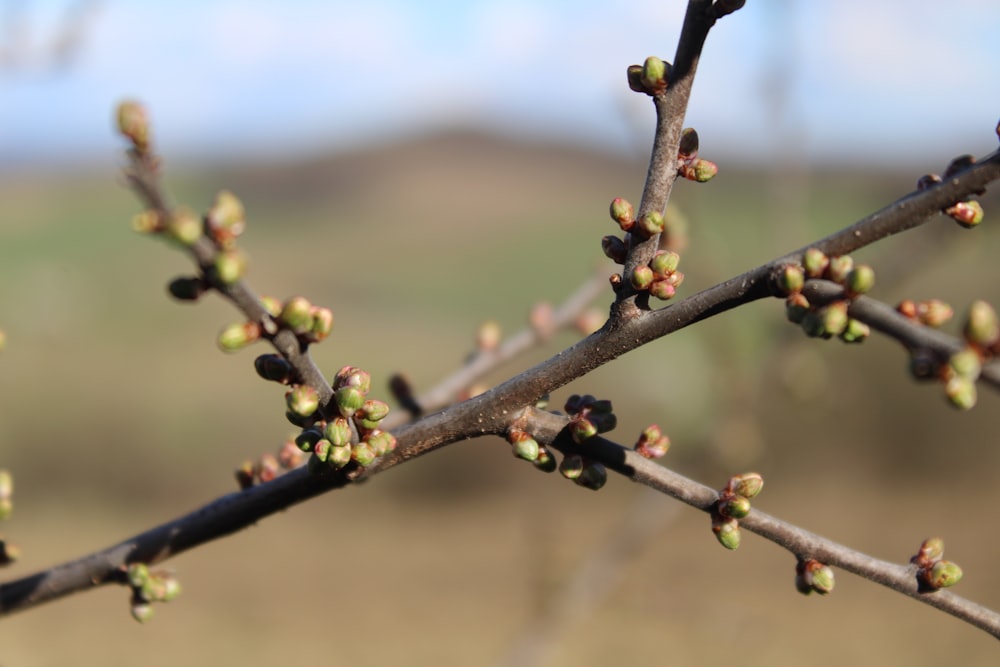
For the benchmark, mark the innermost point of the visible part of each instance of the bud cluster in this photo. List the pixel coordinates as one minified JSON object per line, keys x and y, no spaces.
{"x":354,"y":435}
{"x":148,"y":587}
{"x":930,"y":313}
{"x":812,"y":576}
{"x":310,"y":323}
{"x":968,"y":213}
{"x":652,"y":443}
{"x":689,"y":165}
{"x":733,"y":505}
{"x":589,"y":416}
{"x":831,"y":319}
{"x":933,"y":571}
{"x":524,"y":446}
{"x":651,"y":78}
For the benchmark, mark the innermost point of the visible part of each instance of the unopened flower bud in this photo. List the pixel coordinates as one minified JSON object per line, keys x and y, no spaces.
{"x":789,"y":279}
{"x":593,"y":477}
{"x":297,"y":314}
{"x":942,"y":574}
{"x":727,"y":531}
{"x":933,"y":312}
{"x":748,"y":485}
{"x":839,"y":268}
{"x":650,"y":224}
{"x":271,"y":305}
{"x":582,"y":429}
{"x":226,"y":219}
{"x":834,"y":318}
{"x":796,"y":307}
{"x":734,"y":507}
{"x":655,"y":73}
{"x":961,"y":392}
{"x":856,"y":331}
{"x":572,"y":466}
{"x":664,"y":262}
{"x":968,"y":214}
{"x":545,"y":461}
{"x":183,"y":226}
{"x":931,"y":550}
{"x":302,"y":400}
{"x":321,"y":450}
{"x":137,"y":574}
{"x":349,"y":400}
{"x":641,"y":278}
{"x":663,"y":290}
{"x":966,"y":363}
{"x":237,"y":336}
{"x":815,"y":262}
{"x":339,"y":456}
{"x":322,"y":323}
{"x":382,"y":442}
{"x":699,"y":170}
{"x":363,"y":453}
{"x":623,"y":213}
{"x":860,"y":279}
{"x":141,"y":611}
{"x":819,"y":576}
{"x":338,"y":432}
{"x":147,"y":222}
{"x":982,"y":327}
{"x":133,"y":123}
{"x":230,"y":266}
{"x":525,"y":447}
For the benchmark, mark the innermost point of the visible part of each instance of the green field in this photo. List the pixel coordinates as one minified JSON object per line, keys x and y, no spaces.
{"x":120,"y":412}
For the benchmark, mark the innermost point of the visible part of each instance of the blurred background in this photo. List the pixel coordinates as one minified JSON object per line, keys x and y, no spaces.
{"x":421,"y":169}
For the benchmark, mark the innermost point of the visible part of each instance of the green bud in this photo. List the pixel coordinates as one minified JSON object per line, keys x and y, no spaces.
{"x":654,"y":75}
{"x":226,"y":219}
{"x":623,"y":213}
{"x":664,"y":262}
{"x":943,"y":574}
{"x":137,"y":574}
{"x":641,"y":278}
{"x":834,"y":318}
{"x":141,"y":611}
{"x":349,"y":376}
{"x":796,"y":307}
{"x":133,"y":123}
{"x":968,"y":214}
{"x":273,"y":367}
{"x":689,"y":143}
{"x":339,"y":456}
{"x":748,"y":485}
{"x":525,"y":447}
{"x":296,"y":314}
{"x":856,"y":331}
{"x":982,"y":328}
{"x":237,"y":336}
{"x":614,"y":249}
{"x":183,"y":226}
{"x":820,"y":577}
{"x":321,"y":449}
{"x":699,"y":170}
{"x":582,"y":429}
{"x":593,"y":477}
{"x":650,"y":224}
{"x":961,"y":392}
{"x":933,"y":312}
{"x":374,"y":410}
{"x":338,"y":432}
{"x":861,"y":279}
{"x":363,"y":453}
{"x":734,"y":507}
{"x":382,"y":442}
{"x":545,"y":461}
{"x":663,"y":290}
{"x":604,"y":422}
{"x":839,"y":268}
{"x":790,"y":279}
{"x":966,"y":363}
{"x":147,"y":222}
{"x":815,"y":262}
{"x":931,"y":550}
{"x":727,"y":531}
{"x":349,"y":400}
{"x":572,"y":466}
{"x":302,"y":400}
{"x":230,"y":266}
{"x":271,"y":305}
{"x":171,"y":589}
{"x":322,"y":323}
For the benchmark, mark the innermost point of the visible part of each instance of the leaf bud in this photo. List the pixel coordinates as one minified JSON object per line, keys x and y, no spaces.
{"x":818,"y":576}
{"x":856,"y":331}
{"x":942,"y":574}
{"x":967,"y":214}
{"x":699,"y":170}
{"x":931,"y":550}
{"x":734,"y":507}
{"x":789,"y":279}
{"x":137,"y":574}
{"x":593,"y":477}
{"x":614,"y":249}
{"x":582,"y":429}
{"x":655,"y":73}
{"x":689,"y":144}
{"x":961,"y":392}
{"x":545,"y":461}
{"x":226,"y":219}
{"x":748,"y":485}
{"x":524,"y":446}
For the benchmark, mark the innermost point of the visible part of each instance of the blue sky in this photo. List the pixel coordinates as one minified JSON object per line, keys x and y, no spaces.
{"x":856,"y":80}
